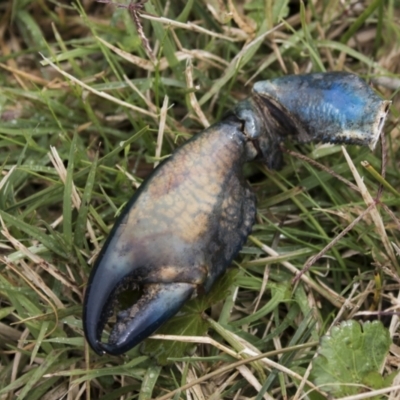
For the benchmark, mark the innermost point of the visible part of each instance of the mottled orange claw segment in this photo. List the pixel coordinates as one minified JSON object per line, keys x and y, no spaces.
{"x":190,"y":218}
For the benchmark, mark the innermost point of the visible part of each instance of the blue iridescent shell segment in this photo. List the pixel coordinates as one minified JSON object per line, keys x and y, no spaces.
{"x":333,"y":107}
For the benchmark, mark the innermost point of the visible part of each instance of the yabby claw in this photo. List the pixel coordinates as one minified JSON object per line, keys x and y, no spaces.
{"x":192,"y":215}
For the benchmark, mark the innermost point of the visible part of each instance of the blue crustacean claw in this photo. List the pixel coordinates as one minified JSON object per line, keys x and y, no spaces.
{"x":333,"y":107}
{"x":191,"y":217}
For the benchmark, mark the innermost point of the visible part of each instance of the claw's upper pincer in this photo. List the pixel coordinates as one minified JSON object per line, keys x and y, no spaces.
{"x":191,"y":217}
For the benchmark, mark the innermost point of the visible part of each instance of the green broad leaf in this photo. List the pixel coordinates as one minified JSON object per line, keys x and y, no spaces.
{"x":350,"y":358}
{"x":189,"y":322}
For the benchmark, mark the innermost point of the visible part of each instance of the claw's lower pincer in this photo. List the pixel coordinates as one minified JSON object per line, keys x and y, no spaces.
{"x":192,"y":215}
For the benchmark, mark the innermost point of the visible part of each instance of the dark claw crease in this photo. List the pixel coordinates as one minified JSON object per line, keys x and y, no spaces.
{"x":192,"y":215}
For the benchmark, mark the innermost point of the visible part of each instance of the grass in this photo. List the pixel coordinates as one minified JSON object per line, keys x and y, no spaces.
{"x":80,"y":109}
